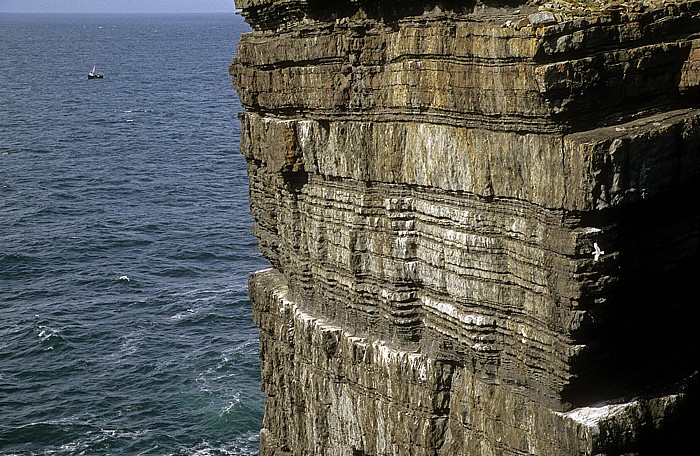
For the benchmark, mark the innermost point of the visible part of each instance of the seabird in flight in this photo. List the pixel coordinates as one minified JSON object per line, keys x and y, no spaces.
{"x":596,"y":252}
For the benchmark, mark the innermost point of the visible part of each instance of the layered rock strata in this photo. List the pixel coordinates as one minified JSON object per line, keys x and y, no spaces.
{"x":482,"y":225}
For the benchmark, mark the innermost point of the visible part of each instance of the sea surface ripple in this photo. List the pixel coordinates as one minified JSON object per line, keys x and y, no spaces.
{"x":125,"y":245}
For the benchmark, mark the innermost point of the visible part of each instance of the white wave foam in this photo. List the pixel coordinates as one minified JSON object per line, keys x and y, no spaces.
{"x":184,"y":314}
{"x":45,"y":333}
{"x":231,"y":404}
{"x":119,"y":433}
{"x":244,"y":445}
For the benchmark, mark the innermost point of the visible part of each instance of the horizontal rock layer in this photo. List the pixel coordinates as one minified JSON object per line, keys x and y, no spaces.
{"x":334,"y":393}
{"x":430,"y":188}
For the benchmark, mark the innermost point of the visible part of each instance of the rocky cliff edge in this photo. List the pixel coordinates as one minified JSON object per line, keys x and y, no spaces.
{"x":482,"y":221}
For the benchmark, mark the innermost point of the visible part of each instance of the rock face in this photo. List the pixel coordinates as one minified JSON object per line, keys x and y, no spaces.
{"x":483,"y":226}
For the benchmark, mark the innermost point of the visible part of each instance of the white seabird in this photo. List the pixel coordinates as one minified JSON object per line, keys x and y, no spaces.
{"x":596,"y":252}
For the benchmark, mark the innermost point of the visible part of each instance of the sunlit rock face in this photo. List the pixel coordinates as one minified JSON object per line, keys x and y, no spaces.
{"x":483,"y":226}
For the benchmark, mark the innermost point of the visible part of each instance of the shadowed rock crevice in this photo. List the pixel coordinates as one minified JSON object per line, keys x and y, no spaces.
{"x":642,"y":337}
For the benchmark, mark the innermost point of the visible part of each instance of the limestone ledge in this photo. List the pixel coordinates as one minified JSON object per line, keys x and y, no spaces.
{"x":579,"y":172}
{"x":504,"y":288}
{"x":362,"y":397}
{"x":456,"y":70}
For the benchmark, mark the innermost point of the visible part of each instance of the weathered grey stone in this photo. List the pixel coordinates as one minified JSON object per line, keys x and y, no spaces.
{"x":429,"y":185}
{"x":541,"y":19}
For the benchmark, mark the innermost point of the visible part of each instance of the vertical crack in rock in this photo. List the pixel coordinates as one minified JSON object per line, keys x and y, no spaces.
{"x":293,"y":171}
{"x":482,"y":225}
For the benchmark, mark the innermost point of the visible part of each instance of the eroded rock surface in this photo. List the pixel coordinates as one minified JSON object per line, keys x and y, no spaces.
{"x":430,"y":181}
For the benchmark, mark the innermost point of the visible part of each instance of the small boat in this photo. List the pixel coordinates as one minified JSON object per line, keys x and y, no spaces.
{"x":94,"y":74}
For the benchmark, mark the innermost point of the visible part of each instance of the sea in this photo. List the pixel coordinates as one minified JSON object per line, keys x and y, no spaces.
{"x":125,"y":243}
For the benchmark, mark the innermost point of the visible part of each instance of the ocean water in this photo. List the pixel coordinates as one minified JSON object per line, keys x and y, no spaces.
{"x":125,"y":245}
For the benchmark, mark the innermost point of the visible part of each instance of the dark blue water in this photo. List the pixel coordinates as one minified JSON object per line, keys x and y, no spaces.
{"x":125,"y":325}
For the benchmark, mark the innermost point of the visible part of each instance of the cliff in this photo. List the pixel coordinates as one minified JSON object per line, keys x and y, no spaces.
{"x":482,"y":221}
